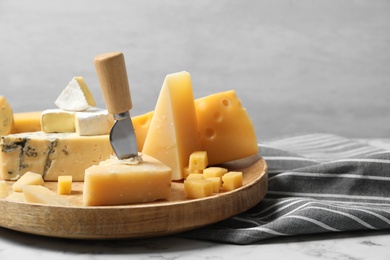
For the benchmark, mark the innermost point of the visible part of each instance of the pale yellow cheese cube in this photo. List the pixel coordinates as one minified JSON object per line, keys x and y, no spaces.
{"x":64,"y":186}
{"x":114,"y":182}
{"x":217,"y":183}
{"x":198,"y":188}
{"x":231,"y":180}
{"x":198,"y":161}
{"x":43,"y":195}
{"x":16,"y":196}
{"x":214,"y":172}
{"x":3,"y":189}
{"x":195,"y":176}
{"x":29,"y":178}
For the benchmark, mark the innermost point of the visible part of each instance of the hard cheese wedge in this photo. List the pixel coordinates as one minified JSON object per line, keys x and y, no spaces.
{"x":29,"y":178}
{"x":27,"y":122}
{"x":226,"y":130}
{"x":76,"y":96}
{"x":173,"y":133}
{"x":6,"y":117}
{"x":51,"y":155}
{"x":115,"y":182}
{"x":42,"y":195}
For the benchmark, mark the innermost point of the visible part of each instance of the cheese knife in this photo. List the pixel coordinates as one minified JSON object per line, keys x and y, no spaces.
{"x":112,"y":75}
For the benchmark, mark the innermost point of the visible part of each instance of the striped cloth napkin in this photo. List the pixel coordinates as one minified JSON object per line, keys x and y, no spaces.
{"x":317,"y":183}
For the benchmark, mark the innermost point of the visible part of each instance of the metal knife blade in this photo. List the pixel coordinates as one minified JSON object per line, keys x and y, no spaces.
{"x":112,"y":75}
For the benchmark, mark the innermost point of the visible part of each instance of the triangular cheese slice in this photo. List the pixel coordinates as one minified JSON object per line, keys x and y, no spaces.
{"x":173,"y":133}
{"x":76,"y":96}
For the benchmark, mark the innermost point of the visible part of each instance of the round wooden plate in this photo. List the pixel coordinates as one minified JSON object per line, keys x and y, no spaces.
{"x":160,"y":218}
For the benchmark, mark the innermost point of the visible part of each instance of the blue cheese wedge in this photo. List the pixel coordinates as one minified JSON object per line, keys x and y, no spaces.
{"x":51,"y":154}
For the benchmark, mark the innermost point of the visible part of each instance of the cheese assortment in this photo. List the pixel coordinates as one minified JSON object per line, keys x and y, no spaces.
{"x":6,"y":117}
{"x":115,"y":182}
{"x":181,"y":140}
{"x":173,"y":132}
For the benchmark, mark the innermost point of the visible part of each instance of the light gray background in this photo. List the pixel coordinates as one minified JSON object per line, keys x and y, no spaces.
{"x":297,"y":65}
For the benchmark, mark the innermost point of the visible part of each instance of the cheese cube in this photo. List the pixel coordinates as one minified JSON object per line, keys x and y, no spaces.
{"x":57,"y":121}
{"x":195,"y":176}
{"x":217,"y":182}
{"x":214,"y":172}
{"x":51,"y":154}
{"x":198,"y":161}
{"x":16,"y":196}
{"x":76,"y":96}
{"x":173,"y":133}
{"x":231,"y":180}
{"x":29,"y":178}
{"x":64,"y":186}
{"x":43,"y":195}
{"x":3,"y":189}
{"x":27,"y":122}
{"x":115,"y":182}
{"x":198,"y":188}
{"x":6,"y":117}
{"x":93,"y":121}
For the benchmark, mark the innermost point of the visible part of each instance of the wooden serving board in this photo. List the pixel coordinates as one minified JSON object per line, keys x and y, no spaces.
{"x":159,"y":218}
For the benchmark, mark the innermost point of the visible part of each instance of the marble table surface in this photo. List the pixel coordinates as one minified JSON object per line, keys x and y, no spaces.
{"x":355,"y":245}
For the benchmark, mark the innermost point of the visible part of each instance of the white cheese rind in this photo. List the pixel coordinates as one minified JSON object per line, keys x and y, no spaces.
{"x":76,"y":96}
{"x":93,"y":121}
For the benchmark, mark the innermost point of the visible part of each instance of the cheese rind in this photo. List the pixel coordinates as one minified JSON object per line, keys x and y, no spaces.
{"x":27,"y":122}
{"x":51,"y":154}
{"x":93,"y":121}
{"x":58,"y":121}
{"x":114,"y":183}
{"x":76,"y":96}
{"x":29,"y":178}
{"x":6,"y":117}
{"x":42,"y":195}
{"x":173,"y":133}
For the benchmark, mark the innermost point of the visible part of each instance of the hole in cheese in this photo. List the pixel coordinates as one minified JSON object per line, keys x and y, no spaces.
{"x":218,"y":117}
{"x":226,"y":102}
{"x":210,"y":133}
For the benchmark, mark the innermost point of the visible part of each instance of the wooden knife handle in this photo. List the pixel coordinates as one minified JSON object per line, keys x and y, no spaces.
{"x":112,"y":75}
